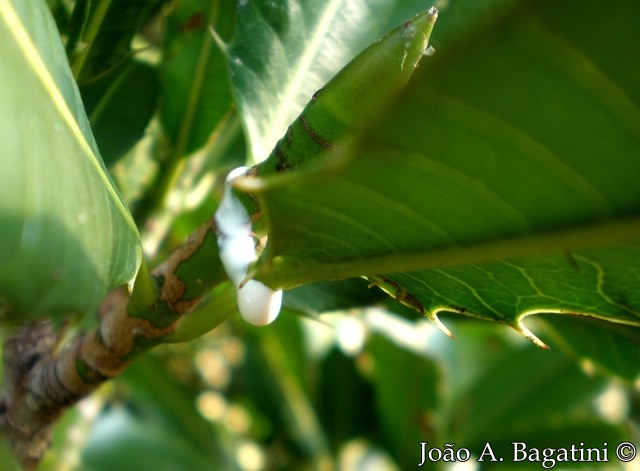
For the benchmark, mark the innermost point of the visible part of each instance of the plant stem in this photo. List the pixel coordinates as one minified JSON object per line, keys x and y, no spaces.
{"x":42,"y":378}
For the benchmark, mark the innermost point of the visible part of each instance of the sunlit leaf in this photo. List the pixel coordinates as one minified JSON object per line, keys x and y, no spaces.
{"x":283,"y":51}
{"x":442,"y":195}
{"x":66,"y":235}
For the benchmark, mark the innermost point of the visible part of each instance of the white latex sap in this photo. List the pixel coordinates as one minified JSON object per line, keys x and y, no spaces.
{"x":258,"y":304}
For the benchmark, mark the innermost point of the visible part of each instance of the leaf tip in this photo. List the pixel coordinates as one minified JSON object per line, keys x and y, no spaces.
{"x":443,"y":328}
{"x":522,"y":329}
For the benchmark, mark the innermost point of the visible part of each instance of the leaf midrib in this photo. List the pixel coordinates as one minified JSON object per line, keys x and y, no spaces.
{"x":284,"y":272}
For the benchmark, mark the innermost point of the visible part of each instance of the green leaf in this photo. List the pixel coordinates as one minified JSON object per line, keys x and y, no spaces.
{"x":521,"y":392}
{"x":284,"y":51}
{"x":100,"y":34}
{"x":170,"y":402}
{"x":612,"y":348}
{"x":277,"y":369}
{"x":498,"y":389}
{"x":66,"y":235}
{"x":463,"y":17}
{"x":120,"y":105}
{"x":407,"y":403}
{"x":128,"y":441}
{"x":501,"y":183}
{"x":525,"y":399}
{"x":344,"y":398}
{"x":196,"y":95}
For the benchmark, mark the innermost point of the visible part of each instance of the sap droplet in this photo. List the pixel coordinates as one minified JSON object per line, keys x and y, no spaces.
{"x":259,"y":304}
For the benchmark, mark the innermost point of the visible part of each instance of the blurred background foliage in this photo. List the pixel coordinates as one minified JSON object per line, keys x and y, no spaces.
{"x":328,"y":385}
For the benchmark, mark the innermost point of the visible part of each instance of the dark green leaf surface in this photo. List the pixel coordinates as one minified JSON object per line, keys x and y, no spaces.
{"x":195,"y":86}
{"x":66,"y":236}
{"x":100,"y":34}
{"x":499,"y":184}
{"x":120,"y":105}
{"x":316,"y":298}
{"x":527,"y":395}
{"x":613,"y":347}
{"x":524,"y":399}
{"x":488,"y":387}
{"x":407,"y":403}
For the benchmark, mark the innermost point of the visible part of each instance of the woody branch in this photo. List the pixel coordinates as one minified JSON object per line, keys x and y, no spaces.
{"x":43,"y":377}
